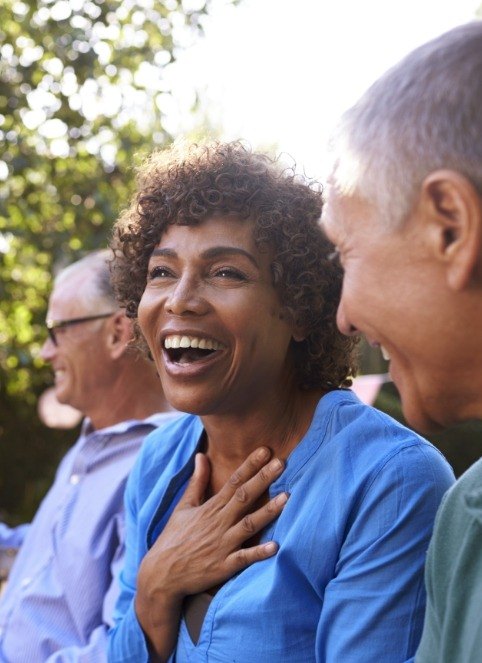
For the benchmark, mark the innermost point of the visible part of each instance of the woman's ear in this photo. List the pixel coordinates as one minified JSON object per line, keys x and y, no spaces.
{"x":453,"y":207}
{"x":298,"y":333}
{"x":120,"y":333}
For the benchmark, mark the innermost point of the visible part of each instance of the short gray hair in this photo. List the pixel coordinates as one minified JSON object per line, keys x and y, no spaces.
{"x":98,"y":265}
{"x":422,"y":115}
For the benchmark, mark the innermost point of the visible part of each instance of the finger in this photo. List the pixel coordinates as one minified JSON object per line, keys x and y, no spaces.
{"x":246,"y":494}
{"x":252,"y":523}
{"x":196,"y":488}
{"x":244,"y":557}
{"x":249,"y":468}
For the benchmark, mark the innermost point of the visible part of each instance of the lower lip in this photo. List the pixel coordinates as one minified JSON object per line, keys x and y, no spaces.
{"x":192,"y":370}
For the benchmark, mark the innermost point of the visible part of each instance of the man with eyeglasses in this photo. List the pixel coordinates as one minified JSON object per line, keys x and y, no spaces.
{"x":62,"y":588}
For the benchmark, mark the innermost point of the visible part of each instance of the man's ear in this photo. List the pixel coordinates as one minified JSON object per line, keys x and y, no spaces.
{"x":452,"y":204}
{"x":120,"y":333}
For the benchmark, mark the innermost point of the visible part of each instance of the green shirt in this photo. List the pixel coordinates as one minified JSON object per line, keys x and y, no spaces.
{"x":452,"y":630}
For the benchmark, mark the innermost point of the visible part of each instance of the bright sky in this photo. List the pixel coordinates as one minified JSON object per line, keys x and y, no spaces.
{"x":279,"y":72}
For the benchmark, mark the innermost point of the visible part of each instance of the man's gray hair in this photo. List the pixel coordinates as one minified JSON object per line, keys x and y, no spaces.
{"x":422,"y":115}
{"x":96,"y":263}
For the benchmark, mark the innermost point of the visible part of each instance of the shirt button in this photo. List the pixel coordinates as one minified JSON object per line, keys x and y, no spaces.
{"x":74,"y":479}
{"x":26,"y":582}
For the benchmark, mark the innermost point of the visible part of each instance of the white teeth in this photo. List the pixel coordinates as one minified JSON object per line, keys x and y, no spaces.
{"x":191,"y":342}
{"x":185,"y":342}
{"x":385,"y":353}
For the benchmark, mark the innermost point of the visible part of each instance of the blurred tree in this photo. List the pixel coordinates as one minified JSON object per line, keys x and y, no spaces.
{"x":83,"y":95}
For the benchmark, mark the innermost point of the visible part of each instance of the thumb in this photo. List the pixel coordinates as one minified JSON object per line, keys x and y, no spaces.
{"x":196,"y":488}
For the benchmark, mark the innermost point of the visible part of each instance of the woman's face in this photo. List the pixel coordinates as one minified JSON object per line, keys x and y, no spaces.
{"x":213,"y":320}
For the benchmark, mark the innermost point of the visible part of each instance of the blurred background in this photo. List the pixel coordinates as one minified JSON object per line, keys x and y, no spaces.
{"x":89,"y":87}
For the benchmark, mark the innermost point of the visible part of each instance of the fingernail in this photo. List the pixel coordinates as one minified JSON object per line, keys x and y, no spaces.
{"x":271,"y":547}
{"x":281,"y":499}
{"x":276,"y":464}
{"x":262,"y":453}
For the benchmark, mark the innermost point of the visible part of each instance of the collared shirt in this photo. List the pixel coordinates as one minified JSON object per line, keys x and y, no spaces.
{"x":60,"y":594}
{"x":346,"y":585}
{"x":452,"y":631}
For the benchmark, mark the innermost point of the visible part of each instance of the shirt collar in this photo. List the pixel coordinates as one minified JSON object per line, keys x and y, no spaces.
{"x":154,"y":420}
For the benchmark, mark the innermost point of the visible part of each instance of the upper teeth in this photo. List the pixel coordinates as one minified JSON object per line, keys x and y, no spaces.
{"x":191,"y":342}
{"x":385,"y":353}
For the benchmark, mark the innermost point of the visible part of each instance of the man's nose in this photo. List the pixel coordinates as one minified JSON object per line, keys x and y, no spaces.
{"x":48,"y":349}
{"x":343,"y":321}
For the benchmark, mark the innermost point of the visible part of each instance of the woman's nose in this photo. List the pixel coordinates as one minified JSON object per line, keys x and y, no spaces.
{"x":186,"y":297}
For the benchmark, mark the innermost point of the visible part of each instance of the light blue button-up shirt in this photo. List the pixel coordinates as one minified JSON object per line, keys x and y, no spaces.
{"x":59,"y":598}
{"x":346,"y":585}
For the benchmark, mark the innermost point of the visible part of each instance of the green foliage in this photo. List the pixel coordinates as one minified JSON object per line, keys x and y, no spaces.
{"x":82,"y":87}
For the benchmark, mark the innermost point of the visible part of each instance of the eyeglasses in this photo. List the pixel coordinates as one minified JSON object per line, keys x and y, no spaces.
{"x":53,"y":325}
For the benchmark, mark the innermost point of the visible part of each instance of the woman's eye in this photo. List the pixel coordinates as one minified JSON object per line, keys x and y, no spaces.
{"x":230,"y":273}
{"x":159,"y":273}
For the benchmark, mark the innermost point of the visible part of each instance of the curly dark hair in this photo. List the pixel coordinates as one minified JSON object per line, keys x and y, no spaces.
{"x":186,"y":185}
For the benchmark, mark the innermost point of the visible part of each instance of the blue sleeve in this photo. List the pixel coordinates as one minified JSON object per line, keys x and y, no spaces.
{"x":374,"y":606}
{"x":126,"y":641}
{"x":12,"y":537}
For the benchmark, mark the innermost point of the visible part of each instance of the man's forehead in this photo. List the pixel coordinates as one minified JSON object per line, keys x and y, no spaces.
{"x":70,"y":294}
{"x":331,"y":215}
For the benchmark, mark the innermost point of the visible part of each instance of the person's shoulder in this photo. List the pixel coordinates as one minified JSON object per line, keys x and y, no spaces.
{"x":168,"y":435}
{"x":465,"y":496}
{"x":348,"y":414}
{"x":162,"y":418}
{"x":456,"y":536}
{"x":373,"y":438}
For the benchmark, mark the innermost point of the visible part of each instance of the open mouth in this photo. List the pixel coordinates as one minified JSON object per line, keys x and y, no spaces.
{"x":189,"y":349}
{"x":385,"y":353}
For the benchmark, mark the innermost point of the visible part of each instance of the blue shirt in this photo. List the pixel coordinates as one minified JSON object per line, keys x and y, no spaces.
{"x":346,"y":585}
{"x":61,"y":591}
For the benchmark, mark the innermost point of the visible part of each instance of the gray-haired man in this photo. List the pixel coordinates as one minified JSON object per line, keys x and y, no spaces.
{"x":59,"y":599}
{"x":404,"y":209}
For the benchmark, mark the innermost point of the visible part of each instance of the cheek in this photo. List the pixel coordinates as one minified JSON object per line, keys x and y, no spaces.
{"x":145,"y":314}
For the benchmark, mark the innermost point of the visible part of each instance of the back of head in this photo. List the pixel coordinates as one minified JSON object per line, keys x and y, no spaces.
{"x":422,"y":115}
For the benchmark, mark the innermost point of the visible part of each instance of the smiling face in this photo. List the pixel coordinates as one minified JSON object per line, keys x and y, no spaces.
{"x":395,"y":292}
{"x":80,"y":360}
{"x":213,"y":320}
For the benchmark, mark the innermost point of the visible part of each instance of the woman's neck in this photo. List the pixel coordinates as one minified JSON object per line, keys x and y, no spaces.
{"x":279,"y":425}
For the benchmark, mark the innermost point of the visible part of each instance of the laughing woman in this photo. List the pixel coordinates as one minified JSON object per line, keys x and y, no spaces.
{"x":318,"y":554}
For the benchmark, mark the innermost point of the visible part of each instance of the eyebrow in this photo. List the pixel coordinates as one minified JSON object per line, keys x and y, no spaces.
{"x":213,"y":252}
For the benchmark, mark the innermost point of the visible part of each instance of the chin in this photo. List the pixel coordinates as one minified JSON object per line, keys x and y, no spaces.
{"x":187,"y":405}
{"x":61,"y":397}
{"x":420,"y":419}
